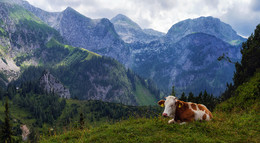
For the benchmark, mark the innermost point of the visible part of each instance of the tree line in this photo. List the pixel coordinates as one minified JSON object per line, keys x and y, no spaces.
{"x":249,"y":65}
{"x":204,"y":98}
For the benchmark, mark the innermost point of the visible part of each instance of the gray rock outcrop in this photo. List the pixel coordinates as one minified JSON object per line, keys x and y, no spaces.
{"x":50,"y":84}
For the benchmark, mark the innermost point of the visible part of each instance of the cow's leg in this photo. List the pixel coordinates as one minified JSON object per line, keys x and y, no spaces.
{"x":182,"y":123}
{"x":171,"y":121}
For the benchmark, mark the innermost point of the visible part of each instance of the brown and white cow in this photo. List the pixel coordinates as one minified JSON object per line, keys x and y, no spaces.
{"x":183,"y":112}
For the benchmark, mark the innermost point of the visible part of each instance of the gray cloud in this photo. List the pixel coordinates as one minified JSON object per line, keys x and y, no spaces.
{"x":255,"y":5}
{"x":243,"y":18}
{"x":242,"y":15}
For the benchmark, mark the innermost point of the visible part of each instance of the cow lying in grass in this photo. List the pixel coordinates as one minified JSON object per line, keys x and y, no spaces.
{"x":182,"y":112}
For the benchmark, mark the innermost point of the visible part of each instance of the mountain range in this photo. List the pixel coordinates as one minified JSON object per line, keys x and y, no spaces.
{"x":29,"y":47}
{"x":186,"y":56}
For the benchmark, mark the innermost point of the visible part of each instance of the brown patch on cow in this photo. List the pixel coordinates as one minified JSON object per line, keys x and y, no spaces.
{"x":201,"y":107}
{"x":204,"y":108}
{"x":186,"y":115}
{"x":193,"y":106}
{"x":181,"y":105}
{"x":204,"y":117}
{"x":161,"y":102}
{"x":185,"y":112}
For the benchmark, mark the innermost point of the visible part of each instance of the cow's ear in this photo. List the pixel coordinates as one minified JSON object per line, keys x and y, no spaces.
{"x":161,"y":103}
{"x":179,"y":104}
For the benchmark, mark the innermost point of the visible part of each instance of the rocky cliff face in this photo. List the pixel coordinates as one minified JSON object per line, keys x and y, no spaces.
{"x":97,"y":35}
{"x":52,"y":85}
{"x":190,"y":64}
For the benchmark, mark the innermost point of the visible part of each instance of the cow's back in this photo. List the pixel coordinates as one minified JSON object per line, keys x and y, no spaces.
{"x":188,"y":111}
{"x":207,"y":115}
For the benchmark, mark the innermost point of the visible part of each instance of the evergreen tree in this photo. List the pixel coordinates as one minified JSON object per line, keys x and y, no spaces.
{"x":183,"y":97}
{"x":205,"y":97}
{"x":6,"y":132}
{"x":191,"y":97}
{"x":173,"y":91}
{"x":199,"y":98}
{"x":1,"y":93}
{"x":250,"y":63}
{"x":250,"y":58}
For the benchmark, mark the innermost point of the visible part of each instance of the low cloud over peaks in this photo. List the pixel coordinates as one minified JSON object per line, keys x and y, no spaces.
{"x":242,"y":15}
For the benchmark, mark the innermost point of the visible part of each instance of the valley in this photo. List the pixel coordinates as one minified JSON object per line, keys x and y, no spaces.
{"x":71,"y":78}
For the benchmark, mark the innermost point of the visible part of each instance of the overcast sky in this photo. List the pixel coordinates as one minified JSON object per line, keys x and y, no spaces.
{"x":242,"y":15}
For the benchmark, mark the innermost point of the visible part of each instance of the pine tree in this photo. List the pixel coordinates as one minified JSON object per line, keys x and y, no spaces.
{"x":6,"y":132}
{"x":183,"y":97}
{"x":250,"y":58}
{"x":191,"y":97}
{"x":173,"y":91}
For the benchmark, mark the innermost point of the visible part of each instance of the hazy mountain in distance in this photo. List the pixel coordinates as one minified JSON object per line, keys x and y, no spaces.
{"x":131,"y":32}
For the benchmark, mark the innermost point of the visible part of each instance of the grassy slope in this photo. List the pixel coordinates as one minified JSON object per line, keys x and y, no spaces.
{"x":236,"y":120}
{"x":144,"y":96}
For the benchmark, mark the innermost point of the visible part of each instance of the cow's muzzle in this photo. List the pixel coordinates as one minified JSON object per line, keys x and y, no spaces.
{"x":164,"y":115}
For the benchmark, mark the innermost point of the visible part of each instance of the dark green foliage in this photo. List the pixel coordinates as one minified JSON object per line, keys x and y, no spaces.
{"x":3,"y":80}
{"x":191,"y":97}
{"x":228,"y":92}
{"x":131,"y":78}
{"x":11,"y":91}
{"x":183,"y":97}
{"x":35,"y":32}
{"x":81,"y":121}
{"x":250,"y":58}
{"x":106,"y":72}
{"x":203,"y":98}
{"x":250,"y":64}
{"x":6,"y":130}
{"x":34,"y":135}
{"x":4,"y":60}
{"x":31,"y":73}
{"x":46,"y":108}
{"x":224,"y":57}
{"x":173,"y":91}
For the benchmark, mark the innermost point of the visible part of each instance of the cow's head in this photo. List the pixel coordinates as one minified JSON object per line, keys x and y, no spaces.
{"x":170,"y":106}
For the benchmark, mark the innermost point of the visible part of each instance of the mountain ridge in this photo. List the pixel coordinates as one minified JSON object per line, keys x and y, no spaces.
{"x":33,"y":47}
{"x":208,"y":25}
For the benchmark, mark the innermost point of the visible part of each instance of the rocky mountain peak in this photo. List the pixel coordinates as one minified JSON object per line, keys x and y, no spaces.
{"x":123,"y":20}
{"x":208,"y":25}
{"x":131,"y":32}
{"x":69,"y":9}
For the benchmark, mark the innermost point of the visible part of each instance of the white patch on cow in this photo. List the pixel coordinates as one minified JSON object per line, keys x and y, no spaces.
{"x":171,"y":121}
{"x":199,"y":114}
{"x":170,"y":106}
{"x":207,"y":117}
{"x":197,"y":107}
{"x":182,"y":123}
{"x":189,"y":103}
